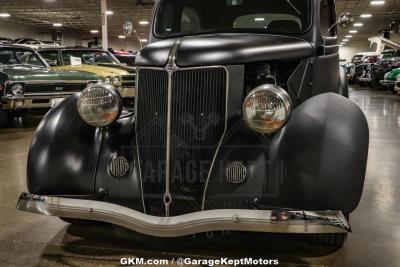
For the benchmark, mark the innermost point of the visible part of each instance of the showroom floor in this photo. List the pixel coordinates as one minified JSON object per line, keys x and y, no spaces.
{"x":28,"y":239}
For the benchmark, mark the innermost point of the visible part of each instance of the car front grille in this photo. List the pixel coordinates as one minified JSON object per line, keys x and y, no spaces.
{"x":128,"y":80}
{"x":49,"y":88}
{"x":196,"y":121}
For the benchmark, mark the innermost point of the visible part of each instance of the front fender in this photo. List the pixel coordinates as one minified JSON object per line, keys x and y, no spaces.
{"x":316,"y":162}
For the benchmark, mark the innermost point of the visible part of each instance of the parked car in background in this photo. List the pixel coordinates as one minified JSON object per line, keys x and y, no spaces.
{"x":4,"y":40}
{"x":356,"y":60}
{"x":361,"y":69}
{"x":389,"y":79}
{"x":34,"y":43}
{"x":125,"y":57}
{"x":27,"y":83}
{"x":97,"y":61}
{"x":242,"y":123}
{"x":374,"y":73}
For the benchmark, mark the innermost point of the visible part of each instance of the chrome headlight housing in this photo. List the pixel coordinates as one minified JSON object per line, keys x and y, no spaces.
{"x":117,"y":81}
{"x":99,"y":105}
{"x":17,"y":89}
{"x":267,"y":108}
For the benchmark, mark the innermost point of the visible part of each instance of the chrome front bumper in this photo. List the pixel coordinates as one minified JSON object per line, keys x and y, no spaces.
{"x":33,"y":101}
{"x":305,"y":222}
{"x":387,"y":83}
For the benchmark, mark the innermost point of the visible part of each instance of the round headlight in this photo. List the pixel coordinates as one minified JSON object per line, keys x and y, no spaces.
{"x":267,"y":108}
{"x":17,"y":89}
{"x":99,"y":105}
{"x":107,"y":80}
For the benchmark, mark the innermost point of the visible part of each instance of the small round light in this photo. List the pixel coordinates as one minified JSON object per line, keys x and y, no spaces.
{"x":107,"y":80}
{"x":17,"y":89}
{"x":99,"y":105}
{"x":116,"y":82}
{"x":267,"y":108}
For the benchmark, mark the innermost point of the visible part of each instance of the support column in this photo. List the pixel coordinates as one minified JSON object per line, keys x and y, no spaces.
{"x":104,"y":24}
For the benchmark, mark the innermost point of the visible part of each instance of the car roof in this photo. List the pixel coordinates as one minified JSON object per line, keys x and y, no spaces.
{"x":16,"y":46}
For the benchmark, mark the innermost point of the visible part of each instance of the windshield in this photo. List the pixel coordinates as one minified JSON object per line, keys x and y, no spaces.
{"x":177,"y":17}
{"x":16,"y":56}
{"x":387,"y":55}
{"x":89,"y":57}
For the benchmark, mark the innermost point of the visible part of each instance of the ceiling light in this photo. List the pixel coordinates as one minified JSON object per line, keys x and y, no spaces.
{"x":143,"y":22}
{"x":57,"y":24}
{"x":4,"y":15}
{"x":109,"y":12}
{"x":358,"y":24}
{"x":341,"y":45}
{"x":259,"y":19}
{"x":349,"y":36}
{"x":121,"y":36}
{"x":94,"y":31}
{"x":143,"y":40}
{"x":345,"y":40}
{"x":366,"y":15}
{"x":377,"y":3}
{"x":353,"y":31}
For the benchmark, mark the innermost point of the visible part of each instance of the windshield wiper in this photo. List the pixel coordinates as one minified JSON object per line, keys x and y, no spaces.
{"x":293,"y":6}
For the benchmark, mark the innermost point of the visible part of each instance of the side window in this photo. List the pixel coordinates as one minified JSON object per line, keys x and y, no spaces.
{"x":190,"y":21}
{"x":327,"y":18}
{"x":50,"y":55}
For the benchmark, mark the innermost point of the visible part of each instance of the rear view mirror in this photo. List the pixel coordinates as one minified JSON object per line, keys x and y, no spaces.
{"x":345,"y":20}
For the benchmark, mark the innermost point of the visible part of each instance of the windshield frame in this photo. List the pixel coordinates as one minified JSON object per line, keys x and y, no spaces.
{"x":160,"y":5}
{"x":114,"y":59}
{"x":15,"y":49}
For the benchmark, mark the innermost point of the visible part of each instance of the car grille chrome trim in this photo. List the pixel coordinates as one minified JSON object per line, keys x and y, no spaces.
{"x":272,"y":221}
{"x":173,"y":73}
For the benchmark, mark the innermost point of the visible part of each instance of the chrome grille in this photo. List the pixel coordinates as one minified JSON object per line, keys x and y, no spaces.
{"x":197,"y":124}
{"x":128,"y":80}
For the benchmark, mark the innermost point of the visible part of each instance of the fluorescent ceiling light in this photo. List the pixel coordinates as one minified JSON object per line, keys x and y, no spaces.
{"x":143,"y":40}
{"x":4,"y":15}
{"x":366,"y":15}
{"x":57,"y":24}
{"x":345,"y":40}
{"x":358,"y":24}
{"x":377,"y":3}
{"x":353,"y":31}
{"x":109,"y":12}
{"x":259,"y":19}
{"x":94,"y":31}
{"x":143,"y":22}
{"x":121,"y":36}
{"x":349,"y":36}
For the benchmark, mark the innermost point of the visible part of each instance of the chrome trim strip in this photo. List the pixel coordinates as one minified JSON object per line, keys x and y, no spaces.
{"x":30,"y":82}
{"x":295,"y":222}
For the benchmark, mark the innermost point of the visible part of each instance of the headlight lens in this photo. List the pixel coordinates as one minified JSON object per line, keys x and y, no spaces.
{"x":267,"y":108}
{"x":107,"y":80}
{"x":116,"y":81}
{"x":17,"y":89}
{"x":99,"y":105}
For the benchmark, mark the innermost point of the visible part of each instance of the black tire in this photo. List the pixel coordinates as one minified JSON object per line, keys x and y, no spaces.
{"x":3,"y":118}
{"x":331,"y":240}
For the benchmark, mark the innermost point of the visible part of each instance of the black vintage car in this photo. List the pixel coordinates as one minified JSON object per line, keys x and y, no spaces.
{"x":372,"y":73}
{"x":241,"y":123}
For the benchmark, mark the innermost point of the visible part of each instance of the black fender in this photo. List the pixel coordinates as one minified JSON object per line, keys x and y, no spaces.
{"x":63,"y":155}
{"x":316,"y":162}
{"x":69,"y":157}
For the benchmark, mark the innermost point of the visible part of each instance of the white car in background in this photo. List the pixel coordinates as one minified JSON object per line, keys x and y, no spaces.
{"x":34,"y":43}
{"x":397,"y":85}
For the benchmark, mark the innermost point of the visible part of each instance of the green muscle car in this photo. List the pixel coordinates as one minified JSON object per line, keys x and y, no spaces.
{"x":27,"y":83}
{"x":389,"y":80}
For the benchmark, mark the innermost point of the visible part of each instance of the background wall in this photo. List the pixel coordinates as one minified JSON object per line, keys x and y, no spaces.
{"x":70,"y":38}
{"x":352,"y":48}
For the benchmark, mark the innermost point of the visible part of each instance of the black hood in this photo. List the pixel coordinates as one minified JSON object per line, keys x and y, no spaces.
{"x":225,"y":49}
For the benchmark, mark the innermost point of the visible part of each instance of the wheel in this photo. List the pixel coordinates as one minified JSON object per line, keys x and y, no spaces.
{"x":3,"y":118}
{"x":331,"y":240}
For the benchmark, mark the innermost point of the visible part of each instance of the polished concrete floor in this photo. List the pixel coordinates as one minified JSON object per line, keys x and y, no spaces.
{"x":32,"y":240}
